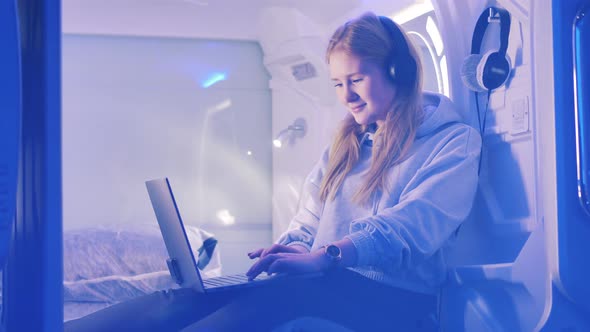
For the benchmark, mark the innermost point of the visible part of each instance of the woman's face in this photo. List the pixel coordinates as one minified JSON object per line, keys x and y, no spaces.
{"x":362,"y":87}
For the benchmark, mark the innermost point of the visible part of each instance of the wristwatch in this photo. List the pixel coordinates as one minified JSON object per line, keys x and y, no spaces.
{"x":333,"y":252}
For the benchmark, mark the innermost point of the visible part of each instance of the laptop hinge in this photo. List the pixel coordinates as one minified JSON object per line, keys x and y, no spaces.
{"x":174,"y":270}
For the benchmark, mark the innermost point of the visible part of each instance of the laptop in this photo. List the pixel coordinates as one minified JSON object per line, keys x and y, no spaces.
{"x":181,"y":262}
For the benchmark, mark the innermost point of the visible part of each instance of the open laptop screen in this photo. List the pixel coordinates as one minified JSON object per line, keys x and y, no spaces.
{"x":182,"y":264}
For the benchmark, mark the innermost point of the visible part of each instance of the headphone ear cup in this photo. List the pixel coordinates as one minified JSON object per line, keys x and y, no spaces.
{"x":404,"y":75}
{"x":495,"y":69}
{"x":472,"y":72}
{"x":392,"y":72}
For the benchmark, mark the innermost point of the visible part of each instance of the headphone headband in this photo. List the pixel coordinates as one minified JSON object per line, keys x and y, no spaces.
{"x":482,"y":24}
{"x":402,"y":65}
{"x":396,"y":34}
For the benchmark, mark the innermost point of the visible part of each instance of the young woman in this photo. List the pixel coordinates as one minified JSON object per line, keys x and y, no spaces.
{"x":383,"y":203}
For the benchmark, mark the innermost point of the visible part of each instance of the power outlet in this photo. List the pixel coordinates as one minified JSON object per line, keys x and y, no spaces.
{"x":520,"y":116}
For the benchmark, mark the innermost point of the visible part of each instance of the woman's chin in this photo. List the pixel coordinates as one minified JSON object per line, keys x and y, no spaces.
{"x":361,"y":120}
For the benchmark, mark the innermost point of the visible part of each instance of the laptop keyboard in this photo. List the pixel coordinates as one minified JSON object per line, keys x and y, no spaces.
{"x":231,"y":280}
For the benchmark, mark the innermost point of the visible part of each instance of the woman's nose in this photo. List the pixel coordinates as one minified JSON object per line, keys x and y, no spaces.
{"x":350,"y":95}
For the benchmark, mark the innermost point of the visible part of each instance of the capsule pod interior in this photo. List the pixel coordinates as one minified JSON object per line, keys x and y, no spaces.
{"x":196,"y":92}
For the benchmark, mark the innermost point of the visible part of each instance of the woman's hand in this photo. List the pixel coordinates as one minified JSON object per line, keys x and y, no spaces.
{"x":275,"y":249}
{"x":290,"y":262}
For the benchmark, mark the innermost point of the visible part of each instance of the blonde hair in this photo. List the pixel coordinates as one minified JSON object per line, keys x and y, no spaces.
{"x":370,"y":38}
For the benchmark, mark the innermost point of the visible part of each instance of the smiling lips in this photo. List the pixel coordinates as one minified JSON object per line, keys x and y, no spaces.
{"x":356,"y":109}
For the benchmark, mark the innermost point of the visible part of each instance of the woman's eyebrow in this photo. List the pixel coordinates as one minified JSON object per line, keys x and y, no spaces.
{"x":348,"y":75}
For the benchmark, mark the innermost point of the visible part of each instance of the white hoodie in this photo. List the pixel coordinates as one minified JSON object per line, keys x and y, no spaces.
{"x":401,"y":237}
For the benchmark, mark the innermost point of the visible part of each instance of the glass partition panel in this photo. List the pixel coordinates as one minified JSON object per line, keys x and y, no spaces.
{"x":139,"y":108}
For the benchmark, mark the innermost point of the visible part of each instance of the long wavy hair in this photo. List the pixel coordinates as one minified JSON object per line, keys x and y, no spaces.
{"x":368,"y":38}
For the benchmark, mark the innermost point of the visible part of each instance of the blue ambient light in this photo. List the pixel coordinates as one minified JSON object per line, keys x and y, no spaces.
{"x":214,"y":78}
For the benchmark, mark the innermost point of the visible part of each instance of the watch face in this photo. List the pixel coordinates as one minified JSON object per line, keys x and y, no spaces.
{"x":333,"y":251}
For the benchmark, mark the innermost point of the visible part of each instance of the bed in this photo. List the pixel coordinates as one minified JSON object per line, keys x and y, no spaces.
{"x":109,"y":264}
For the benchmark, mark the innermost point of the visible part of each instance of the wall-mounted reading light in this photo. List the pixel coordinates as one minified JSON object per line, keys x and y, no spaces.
{"x":289,"y":134}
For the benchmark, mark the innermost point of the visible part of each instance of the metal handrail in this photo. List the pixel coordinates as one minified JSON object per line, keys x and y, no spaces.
{"x":580,"y":33}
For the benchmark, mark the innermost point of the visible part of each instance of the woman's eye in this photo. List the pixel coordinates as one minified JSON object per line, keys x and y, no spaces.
{"x":358,"y":80}
{"x":337,"y":85}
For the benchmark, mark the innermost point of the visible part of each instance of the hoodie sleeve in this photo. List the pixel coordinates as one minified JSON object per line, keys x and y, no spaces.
{"x":431,"y":207}
{"x":304,"y":225}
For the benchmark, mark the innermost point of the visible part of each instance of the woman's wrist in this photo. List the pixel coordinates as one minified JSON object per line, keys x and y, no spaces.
{"x":349,"y":253}
{"x":343,"y":255}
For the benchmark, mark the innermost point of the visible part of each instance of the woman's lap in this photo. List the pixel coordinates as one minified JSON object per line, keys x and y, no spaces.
{"x":341,"y":296}
{"x":344,"y":297}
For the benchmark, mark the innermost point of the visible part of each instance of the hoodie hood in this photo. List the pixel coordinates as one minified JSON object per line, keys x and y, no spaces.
{"x":438,"y":111}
